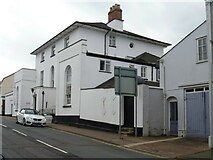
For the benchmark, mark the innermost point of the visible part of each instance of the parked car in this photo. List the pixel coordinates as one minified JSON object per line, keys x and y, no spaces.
{"x":27,"y":116}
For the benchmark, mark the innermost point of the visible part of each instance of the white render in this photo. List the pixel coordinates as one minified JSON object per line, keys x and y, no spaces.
{"x":24,"y":80}
{"x":16,"y":91}
{"x":105,"y":108}
{"x":181,"y":70}
{"x":85,"y":70}
{"x":91,"y":51}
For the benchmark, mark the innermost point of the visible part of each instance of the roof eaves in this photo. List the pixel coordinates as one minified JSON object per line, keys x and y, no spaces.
{"x":183,"y":39}
{"x":55,"y":38}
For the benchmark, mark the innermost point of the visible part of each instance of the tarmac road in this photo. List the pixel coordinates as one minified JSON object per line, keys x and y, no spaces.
{"x":41,"y":142}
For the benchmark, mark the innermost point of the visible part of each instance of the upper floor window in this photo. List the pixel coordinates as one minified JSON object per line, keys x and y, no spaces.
{"x":143,"y":72}
{"x":105,"y":66}
{"x":52,"y":76}
{"x":112,"y":41}
{"x":68,"y":85}
{"x":53,"y":50}
{"x":66,"y":42}
{"x":202,"y":49}
{"x":41,"y":78}
{"x":42,"y":56}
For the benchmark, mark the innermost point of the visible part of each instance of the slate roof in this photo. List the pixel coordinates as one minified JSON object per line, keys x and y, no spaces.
{"x":147,"y":58}
{"x":110,"y":83}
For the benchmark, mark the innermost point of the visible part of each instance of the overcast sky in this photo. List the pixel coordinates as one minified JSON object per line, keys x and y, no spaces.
{"x":27,"y":24}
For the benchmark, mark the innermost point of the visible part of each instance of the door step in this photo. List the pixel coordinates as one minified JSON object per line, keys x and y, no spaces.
{"x":127,"y":131}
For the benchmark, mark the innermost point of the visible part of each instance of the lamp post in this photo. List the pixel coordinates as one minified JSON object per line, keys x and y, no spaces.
{"x":42,"y":111}
{"x":209,"y":21}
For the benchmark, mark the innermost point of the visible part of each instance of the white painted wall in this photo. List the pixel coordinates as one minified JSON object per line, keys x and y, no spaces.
{"x":180,"y":70}
{"x":152,"y":110}
{"x":95,"y":43}
{"x":101,"y":105}
{"x":85,"y":70}
{"x":181,"y":67}
{"x":9,"y":103}
{"x":70,"y":56}
{"x":24,"y":79}
{"x":92,"y":76}
{"x":49,"y":98}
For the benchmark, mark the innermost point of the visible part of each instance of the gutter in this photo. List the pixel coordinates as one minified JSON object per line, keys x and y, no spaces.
{"x":164,"y":96}
{"x":105,"y":37}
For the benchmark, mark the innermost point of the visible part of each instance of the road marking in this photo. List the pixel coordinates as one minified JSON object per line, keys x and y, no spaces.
{"x":149,"y":142}
{"x":19,"y":132}
{"x":51,"y":146}
{"x":3,"y":125}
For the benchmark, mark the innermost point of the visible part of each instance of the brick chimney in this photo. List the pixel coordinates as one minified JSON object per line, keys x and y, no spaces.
{"x":115,"y":13}
{"x":115,"y":18}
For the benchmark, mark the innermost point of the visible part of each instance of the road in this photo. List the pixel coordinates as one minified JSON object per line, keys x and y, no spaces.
{"x":42,"y":142}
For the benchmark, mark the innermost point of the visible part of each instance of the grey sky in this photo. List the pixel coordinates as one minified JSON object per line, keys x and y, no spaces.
{"x":27,"y":24}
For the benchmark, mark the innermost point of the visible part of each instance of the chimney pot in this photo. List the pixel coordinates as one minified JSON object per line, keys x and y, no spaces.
{"x":115,"y":13}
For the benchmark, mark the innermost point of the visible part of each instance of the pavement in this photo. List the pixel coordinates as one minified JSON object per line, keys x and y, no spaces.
{"x":162,"y":146}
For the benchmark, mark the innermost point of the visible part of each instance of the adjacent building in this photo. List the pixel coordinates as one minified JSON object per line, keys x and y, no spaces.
{"x":184,"y":77}
{"x":16,"y":91}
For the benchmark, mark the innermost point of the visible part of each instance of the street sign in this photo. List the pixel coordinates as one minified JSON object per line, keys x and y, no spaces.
{"x":125,"y":81}
{"x":126,"y":84}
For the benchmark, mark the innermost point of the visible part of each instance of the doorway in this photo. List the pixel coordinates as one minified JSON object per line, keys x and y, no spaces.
{"x":3,"y":107}
{"x":128,"y":111}
{"x":174,"y":118}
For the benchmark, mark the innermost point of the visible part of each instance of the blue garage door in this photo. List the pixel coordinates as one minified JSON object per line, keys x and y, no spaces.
{"x":197,"y":114}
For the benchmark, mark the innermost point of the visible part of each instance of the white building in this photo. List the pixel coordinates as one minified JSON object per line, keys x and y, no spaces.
{"x":83,"y":57}
{"x":7,"y":95}
{"x":24,"y":81}
{"x":16,"y":91}
{"x":184,"y":77}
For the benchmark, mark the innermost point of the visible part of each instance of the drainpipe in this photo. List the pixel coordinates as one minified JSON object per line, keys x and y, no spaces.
{"x":164,"y":96}
{"x":105,"y":41}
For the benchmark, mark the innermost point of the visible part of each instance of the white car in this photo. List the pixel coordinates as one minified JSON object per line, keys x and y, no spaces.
{"x":27,"y":116}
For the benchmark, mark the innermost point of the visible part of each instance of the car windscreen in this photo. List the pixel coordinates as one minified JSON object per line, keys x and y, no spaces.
{"x":31,"y":112}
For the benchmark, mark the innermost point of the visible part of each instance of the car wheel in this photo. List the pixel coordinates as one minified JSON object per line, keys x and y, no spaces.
{"x":24,"y":122}
{"x":17,"y":121}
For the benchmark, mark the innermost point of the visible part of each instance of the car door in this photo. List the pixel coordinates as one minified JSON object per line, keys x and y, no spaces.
{"x":21,"y":116}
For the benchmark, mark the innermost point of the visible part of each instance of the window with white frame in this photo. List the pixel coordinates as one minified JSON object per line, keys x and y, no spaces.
{"x":105,"y":66}
{"x":42,"y":56}
{"x":52,"y":76}
{"x":112,"y":41}
{"x":53,"y":50}
{"x":41,"y":78}
{"x":66,"y":42}
{"x":68,"y":85}
{"x":202,"y":49}
{"x":143,"y":72}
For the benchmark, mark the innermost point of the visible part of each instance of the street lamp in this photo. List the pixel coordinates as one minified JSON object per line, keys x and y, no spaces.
{"x":42,"y":111}
{"x":209,"y":21}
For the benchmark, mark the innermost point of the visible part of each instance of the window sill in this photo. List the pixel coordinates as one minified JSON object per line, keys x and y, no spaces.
{"x":67,"y":106}
{"x":112,"y":46}
{"x":105,"y":71}
{"x":52,"y":55}
{"x":202,"y":61}
{"x":41,"y":61}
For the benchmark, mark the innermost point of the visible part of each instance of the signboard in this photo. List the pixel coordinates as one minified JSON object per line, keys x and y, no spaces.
{"x":125,"y":81}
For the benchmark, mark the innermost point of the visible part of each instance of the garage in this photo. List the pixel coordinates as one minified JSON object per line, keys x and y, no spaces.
{"x":197,"y":112}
